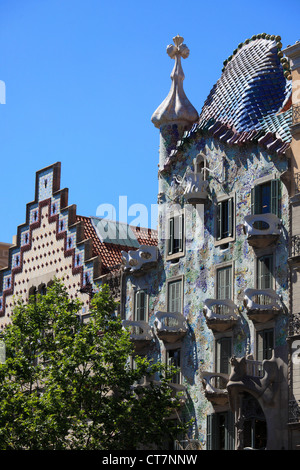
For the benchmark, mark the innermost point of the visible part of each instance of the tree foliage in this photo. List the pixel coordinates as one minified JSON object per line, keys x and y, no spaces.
{"x":68,"y":384}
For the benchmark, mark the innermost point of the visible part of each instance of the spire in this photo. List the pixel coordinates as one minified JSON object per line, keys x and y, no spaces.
{"x":176,"y":108}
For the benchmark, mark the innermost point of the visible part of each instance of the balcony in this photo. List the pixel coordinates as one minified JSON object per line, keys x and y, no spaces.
{"x":143,"y":258}
{"x":262,"y":304}
{"x":196,"y":189}
{"x":140,"y":333}
{"x":215,"y":390}
{"x":296,"y":113}
{"x":294,"y":258}
{"x":170,"y":326}
{"x":220,"y":314}
{"x":262,"y":229}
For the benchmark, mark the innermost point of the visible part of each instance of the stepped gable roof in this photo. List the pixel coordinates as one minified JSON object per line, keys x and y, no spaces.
{"x":251,"y":101}
{"x":252,"y":89}
{"x":119,"y":237}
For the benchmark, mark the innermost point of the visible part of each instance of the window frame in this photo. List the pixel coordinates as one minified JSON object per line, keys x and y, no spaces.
{"x":259,"y":274}
{"x":219,"y":347}
{"x":220,"y":237}
{"x":275,"y":196}
{"x":171,"y":349}
{"x":260,"y":350}
{"x":171,"y":281}
{"x":137,"y":294}
{"x":171,"y":252}
{"x":220,"y":267}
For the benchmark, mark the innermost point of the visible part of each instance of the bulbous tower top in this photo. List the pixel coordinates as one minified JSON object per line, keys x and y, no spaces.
{"x":176,"y":108}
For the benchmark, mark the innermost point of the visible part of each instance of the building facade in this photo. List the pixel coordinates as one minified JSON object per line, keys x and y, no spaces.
{"x":56,"y":242}
{"x":215,"y":290}
{"x":217,"y":305}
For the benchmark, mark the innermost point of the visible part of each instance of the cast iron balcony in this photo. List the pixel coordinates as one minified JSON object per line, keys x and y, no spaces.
{"x":294,"y":257}
{"x":170,"y":326}
{"x":262,"y":229}
{"x":220,"y":314}
{"x":262,"y":304}
{"x":296,"y":113}
{"x":297,"y":182}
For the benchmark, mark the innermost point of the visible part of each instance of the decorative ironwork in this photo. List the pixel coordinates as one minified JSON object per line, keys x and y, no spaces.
{"x":296,"y":113}
{"x":294,"y":411}
{"x":295,"y":245}
{"x":297,"y":182}
{"x":294,"y":324}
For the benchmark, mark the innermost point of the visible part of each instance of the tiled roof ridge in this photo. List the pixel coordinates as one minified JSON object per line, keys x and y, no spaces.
{"x":271,"y":37}
{"x":227,"y":135}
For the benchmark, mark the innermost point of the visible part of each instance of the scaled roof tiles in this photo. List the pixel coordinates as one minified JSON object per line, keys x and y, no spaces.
{"x":251,"y":102}
{"x":252,"y":88}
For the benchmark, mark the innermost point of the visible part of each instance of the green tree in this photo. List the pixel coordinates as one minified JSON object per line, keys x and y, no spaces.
{"x":67,"y":384}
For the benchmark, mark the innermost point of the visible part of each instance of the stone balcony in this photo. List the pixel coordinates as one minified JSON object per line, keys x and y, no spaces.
{"x":196,"y":190}
{"x":170,"y":326}
{"x":262,"y":229}
{"x":262,"y":304}
{"x":140,"y":333}
{"x":220,"y":314}
{"x":143,"y":258}
{"x":214,"y":384}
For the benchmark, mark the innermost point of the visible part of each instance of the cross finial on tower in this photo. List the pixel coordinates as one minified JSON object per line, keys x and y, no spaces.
{"x":176,"y":108}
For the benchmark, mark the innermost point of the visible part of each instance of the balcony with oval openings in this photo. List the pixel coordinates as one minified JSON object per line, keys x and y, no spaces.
{"x":170,"y":326}
{"x":220,"y":314}
{"x":140,"y":333}
{"x":262,"y":230}
{"x":136,"y":261}
{"x":215,"y":390}
{"x":262,"y":304}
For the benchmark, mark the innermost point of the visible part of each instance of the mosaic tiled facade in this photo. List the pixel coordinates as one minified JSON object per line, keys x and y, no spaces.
{"x":225,"y":175}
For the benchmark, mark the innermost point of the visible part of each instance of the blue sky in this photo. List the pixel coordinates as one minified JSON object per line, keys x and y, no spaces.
{"x":82,"y":79}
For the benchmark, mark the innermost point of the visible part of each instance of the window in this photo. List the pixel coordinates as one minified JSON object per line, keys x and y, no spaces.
{"x":176,"y":235}
{"x":265,"y":198}
{"x":173,"y":360}
{"x":220,"y":431}
{"x":224,"y":227}
{"x":140,"y":305}
{"x":264,"y":277}
{"x":200,"y":165}
{"x":223,"y":355}
{"x":265,"y":272}
{"x":264,"y":344}
{"x":224,"y":283}
{"x":175,"y":296}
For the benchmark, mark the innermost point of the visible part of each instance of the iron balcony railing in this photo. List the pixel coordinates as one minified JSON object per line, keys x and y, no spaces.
{"x":293,"y":411}
{"x":296,"y":113}
{"x":295,"y":245}
{"x":294,"y":324}
{"x":297,"y":182}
